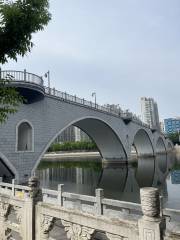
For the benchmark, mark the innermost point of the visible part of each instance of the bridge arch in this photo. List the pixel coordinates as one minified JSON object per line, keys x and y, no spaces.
{"x":108,"y":142}
{"x":9,"y":166}
{"x":24,"y":136}
{"x":142,"y":143}
{"x":160,"y":146}
{"x":169,"y":146}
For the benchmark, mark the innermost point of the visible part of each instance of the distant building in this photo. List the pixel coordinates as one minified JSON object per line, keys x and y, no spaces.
{"x":80,"y":135}
{"x":149,"y":112}
{"x":72,"y":134}
{"x":68,"y":135}
{"x":175,"y":177}
{"x":114,"y":107}
{"x":162,"y":126}
{"x":172,"y":125}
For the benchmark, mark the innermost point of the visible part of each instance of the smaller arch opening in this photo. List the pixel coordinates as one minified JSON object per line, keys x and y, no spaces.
{"x":170,"y":146}
{"x":24,"y":137}
{"x":142,"y":144}
{"x":160,"y":146}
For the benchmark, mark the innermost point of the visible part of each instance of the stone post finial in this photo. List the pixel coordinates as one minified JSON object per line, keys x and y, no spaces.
{"x":35,"y":191}
{"x":150,"y":202}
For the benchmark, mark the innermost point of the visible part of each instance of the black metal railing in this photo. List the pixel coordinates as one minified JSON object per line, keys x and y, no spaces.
{"x":81,"y":101}
{"x":24,"y":76}
{"x":21,"y":76}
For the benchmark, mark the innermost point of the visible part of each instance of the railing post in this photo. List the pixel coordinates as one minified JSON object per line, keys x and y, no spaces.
{"x":99,"y":197}
{"x":13,"y":187}
{"x":60,"y":191}
{"x":25,"y":75}
{"x":1,"y":179}
{"x":151,"y":225}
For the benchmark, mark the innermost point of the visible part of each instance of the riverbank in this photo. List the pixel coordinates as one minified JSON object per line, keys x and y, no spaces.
{"x":58,"y":156}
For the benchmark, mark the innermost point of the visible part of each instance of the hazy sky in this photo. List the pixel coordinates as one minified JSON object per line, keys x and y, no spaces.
{"x":121,"y":49}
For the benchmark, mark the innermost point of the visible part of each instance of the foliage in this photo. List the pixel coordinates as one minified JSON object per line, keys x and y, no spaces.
{"x":174,"y":137}
{"x":9,"y":100}
{"x":18,"y":20}
{"x":69,"y":146}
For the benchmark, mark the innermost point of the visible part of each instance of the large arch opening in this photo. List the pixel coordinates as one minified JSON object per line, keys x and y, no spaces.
{"x":142,"y":144}
{"x":160,"y":146}
{"x":75,"y":168}
{"x":24,"y":137}
{"x":108,"y":143}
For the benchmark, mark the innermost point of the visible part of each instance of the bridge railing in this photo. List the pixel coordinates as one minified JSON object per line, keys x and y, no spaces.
{"x":24,"y":76}
{"x":90,"y":204}
{"x":14,"y":190}
{"x":81,"y":101}
{"x":20,"y":76}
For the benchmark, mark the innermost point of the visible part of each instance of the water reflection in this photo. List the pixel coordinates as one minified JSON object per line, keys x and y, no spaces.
{"x":119,"y":181}
{"x":145,"y":172}
{"x":162,"y":162}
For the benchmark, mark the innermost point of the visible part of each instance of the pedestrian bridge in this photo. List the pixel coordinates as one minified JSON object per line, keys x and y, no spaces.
{"x":27,"y":135}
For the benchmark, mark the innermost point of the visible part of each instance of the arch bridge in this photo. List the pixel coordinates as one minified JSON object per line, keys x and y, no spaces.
{"x":27,"y":134}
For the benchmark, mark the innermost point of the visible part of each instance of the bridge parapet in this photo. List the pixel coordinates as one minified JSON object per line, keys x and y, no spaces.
{"x":24,"y":77}
{"x":29,"y":85}
{"x":81,"y":216}
{"x":81,"y":101}
{"x":21,"y":76}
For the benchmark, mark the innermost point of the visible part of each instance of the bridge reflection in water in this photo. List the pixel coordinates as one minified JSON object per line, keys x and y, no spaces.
{"x":119,"y":181}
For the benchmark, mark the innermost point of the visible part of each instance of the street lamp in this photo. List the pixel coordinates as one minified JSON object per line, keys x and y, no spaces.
{"x":47,"y":75}
{"x":94,"y":95}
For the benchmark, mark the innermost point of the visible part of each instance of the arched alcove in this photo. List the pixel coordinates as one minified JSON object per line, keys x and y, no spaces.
{"x":24,"y":136}
{"x":160,"y":146}
{"x":142,"y":144}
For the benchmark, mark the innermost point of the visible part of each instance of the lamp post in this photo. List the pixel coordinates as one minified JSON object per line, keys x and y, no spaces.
{"x":47,"y":75}
{"x":94,"y":95}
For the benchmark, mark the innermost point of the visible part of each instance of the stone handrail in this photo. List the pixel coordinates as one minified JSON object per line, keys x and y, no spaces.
{"x":15,"y":190}
{"x":93,"y":204}
{"x":33,"y":218}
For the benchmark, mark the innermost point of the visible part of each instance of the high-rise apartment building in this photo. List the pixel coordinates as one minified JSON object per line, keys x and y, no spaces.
{"x":149,"y":112}
{"x":72,"y":134}
{"x":172,"y":125}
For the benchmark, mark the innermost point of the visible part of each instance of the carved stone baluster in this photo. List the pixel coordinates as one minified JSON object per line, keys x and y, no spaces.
{"x":18,"y":212}
{"x":76,"y":231}
{"x":4,"y":211}
{"x":46,"y":226}
{"x":151,"y":225}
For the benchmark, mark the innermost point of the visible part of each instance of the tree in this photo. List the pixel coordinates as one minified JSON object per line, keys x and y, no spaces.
{"x":19,"y":19}
{"x":174,"y":137}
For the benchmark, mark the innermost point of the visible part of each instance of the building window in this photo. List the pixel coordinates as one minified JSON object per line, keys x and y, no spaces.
{"x":24,"y":137}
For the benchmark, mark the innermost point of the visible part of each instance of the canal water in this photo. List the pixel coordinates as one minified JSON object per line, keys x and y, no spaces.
{"x":119,"y":181}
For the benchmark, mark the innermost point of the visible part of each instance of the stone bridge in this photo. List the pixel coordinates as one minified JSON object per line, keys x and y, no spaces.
{"x":27,"y":135}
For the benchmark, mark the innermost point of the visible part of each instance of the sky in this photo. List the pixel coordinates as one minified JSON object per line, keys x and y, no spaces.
{"x":121,"y":49}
